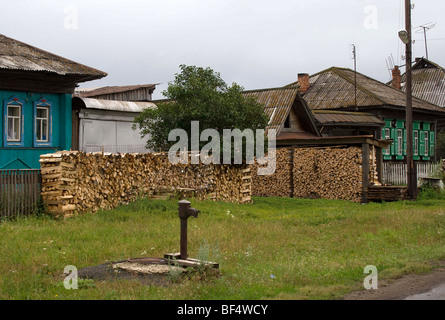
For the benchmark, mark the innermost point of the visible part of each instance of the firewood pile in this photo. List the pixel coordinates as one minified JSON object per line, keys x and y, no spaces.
{"x":77,"y":182}
{"x":324,"y":172}
{"x":328,"y":173}
{"x":278,"y":184}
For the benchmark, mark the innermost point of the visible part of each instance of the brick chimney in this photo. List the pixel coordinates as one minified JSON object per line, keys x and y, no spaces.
{"x":303,"y":81}
{"x":396,"y":78}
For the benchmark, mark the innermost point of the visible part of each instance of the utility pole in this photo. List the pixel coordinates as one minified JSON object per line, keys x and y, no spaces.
{"x":411,"y":168}
{"x":354,"y":53}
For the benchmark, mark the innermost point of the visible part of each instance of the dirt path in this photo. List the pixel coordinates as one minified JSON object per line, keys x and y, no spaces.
{"x":410,"y":287}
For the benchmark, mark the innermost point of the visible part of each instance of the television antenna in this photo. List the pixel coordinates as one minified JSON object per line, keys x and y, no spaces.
{"x":423,"y":29}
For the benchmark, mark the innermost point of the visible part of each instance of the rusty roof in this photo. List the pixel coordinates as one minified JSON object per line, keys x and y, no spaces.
{"x":428,"y":82}
{"x":16,"y":55}
{"x":334,"y":88}
{"x":332,"y":117}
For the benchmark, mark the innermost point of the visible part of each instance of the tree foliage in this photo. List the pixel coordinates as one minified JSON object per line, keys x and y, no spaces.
{"x":199,"y":94}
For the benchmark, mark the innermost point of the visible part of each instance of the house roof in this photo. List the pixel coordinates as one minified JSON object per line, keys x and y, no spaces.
{"x":111,"y":105}
{"x":428,"y":81}
{"x":16,"y":55}
{"x":334,"y":88}
{"x":333,"y":117}
{"x":278,"y":103}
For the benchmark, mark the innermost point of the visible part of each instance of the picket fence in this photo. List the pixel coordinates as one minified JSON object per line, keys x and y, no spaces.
{"x":395,"y":173}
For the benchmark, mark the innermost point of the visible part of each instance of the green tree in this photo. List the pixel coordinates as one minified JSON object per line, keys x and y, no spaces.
{"x":199,"y":94}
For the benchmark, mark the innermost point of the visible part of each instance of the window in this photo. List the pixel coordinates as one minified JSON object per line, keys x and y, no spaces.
{"x":287,"y":122}
{"x":42,"y":123}
{"x":416,"y":143}
{"x":42,"y":120}
{"x":13,"y":123}
{"x":432,"y":143}
{"x":387,"y":137}
{"x":400,"y":142}
{"x":427,"y":143}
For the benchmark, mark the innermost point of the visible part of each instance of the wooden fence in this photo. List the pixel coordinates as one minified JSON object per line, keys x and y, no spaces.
{"x":395,"y":173}
{"x":19,"y":192}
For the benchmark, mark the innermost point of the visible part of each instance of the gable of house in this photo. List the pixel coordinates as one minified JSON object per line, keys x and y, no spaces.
{"x":288,"y":113}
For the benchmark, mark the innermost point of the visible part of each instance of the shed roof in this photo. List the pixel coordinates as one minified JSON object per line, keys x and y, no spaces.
{"x":111,"y":105}
{"x":333,"y":117}
{"x":334,"y":88}
{"x":112,"y":89}
{"x":16,"y":55}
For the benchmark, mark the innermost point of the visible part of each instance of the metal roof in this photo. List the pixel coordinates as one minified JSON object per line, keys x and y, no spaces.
{"x":16,"y":55}
{"x":334,"y":88}
{"x":428,"y":82}
{"x":112,"y":89}
{"x":328,"y":117}
{"x":111,"y":105}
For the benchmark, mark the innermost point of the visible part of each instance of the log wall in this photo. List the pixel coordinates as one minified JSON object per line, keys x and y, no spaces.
{"x":77,"y":182}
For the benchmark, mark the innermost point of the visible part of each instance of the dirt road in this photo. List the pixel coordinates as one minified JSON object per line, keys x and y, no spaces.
{"x":410,"y":287}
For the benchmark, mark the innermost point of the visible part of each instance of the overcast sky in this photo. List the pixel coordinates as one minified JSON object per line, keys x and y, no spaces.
{"x":255,"y":43}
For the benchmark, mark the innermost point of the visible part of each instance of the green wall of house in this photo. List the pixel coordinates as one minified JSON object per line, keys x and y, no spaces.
{"x":26,"y":155}
{"x":424,"y":140}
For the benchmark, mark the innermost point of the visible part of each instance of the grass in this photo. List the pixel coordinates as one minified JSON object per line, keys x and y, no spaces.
{"x":272,"y":249}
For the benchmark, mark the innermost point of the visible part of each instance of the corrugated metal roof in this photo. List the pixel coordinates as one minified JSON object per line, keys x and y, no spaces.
{"x":113,"y":89}
{"x":428,"y":82}
{"x":328,"y":117}
{"x":334,"y":89}
{"x":111,"y":105}
{"x":277,"y":104}
{"x":16,"y":55}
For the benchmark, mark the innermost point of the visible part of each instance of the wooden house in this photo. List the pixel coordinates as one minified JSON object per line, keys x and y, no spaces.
{"x":340,"y":93}
{"x":35,"y":94}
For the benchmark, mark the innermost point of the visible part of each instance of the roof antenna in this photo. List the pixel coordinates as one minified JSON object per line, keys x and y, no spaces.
{"x":354,"y":55}
{"x":423,"y":29}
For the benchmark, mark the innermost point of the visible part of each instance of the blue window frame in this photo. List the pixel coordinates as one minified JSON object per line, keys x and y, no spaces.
{"x":14,"y":123}
{"x":42,"y":134}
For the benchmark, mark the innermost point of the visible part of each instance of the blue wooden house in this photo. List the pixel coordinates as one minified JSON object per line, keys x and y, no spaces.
{"x":36,"y":90}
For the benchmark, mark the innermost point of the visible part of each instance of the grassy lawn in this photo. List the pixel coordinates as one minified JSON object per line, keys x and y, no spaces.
{"x":271,"y":249}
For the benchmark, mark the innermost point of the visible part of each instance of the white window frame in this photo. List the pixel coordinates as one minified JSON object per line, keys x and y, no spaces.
{"x":42,"y":120}
{"x":400,"y":142}
{"x":416,"y":142}
{"x":19,"y":106}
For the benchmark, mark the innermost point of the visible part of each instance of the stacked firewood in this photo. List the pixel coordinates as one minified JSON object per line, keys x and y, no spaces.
{"x":328,"y":173}
{"x":88,"y":182}
{"x":324,"y":172}
{"x":278,"y":184}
